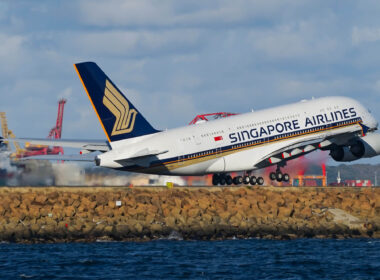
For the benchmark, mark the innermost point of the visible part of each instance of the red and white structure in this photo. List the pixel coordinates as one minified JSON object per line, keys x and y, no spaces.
{"x":209,"y":117}
{"x":358,"y":183}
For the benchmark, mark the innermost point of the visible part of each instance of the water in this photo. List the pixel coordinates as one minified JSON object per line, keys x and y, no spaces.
{"x":167,"y":259}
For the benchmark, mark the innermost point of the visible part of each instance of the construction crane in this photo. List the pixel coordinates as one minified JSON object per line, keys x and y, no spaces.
{"x":56,"y":132}
{"x":35,"y":150}
{"x":8,"y":133}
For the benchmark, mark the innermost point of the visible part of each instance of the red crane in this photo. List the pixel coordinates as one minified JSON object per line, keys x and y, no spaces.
{"x":55,"y":133}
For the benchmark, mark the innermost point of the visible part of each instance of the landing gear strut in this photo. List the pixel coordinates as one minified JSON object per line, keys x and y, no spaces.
{"x":279,"y":176}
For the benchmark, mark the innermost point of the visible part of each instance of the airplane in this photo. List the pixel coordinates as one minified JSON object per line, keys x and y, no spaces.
{"x":239,"y":143}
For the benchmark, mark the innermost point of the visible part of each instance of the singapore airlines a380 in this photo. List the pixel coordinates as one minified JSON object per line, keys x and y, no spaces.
{"x":239,"y":143}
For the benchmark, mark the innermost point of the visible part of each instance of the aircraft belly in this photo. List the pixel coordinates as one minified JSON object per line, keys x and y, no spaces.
{"x":244,"y":160}
{"x":200,"y":168}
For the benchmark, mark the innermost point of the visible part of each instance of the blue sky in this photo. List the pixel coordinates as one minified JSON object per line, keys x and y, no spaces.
{"x":176,"y":59}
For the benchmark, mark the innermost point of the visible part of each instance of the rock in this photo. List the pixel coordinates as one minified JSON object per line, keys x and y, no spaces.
{"x":69,"y":211}
{"x":285,"y":212}
{"x":203,"y":203}
{"x":139,"y":228}
{"x":122,"y":231}
{"x":40,"y":199}
{"x":156,"y":228}
{"x":34,"y":211}
{"x":170,"y":222}
{"x":194,"y":213}
{"x":225,"y":216}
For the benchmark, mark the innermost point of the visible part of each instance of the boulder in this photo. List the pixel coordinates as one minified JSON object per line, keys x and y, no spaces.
{"x":69,"y":211}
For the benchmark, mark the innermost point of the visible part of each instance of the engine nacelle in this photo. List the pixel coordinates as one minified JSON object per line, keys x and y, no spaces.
{"x":342,"y":153}
{"x":367,"y":146}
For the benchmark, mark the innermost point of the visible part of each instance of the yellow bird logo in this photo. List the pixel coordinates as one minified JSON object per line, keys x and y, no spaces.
{"x":119,"y":107}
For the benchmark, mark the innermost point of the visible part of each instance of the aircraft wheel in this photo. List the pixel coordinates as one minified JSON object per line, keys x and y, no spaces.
{"x":238,"y":180}
{"x":279,"y":176}
{"x":272,"y":176}
{"x":286,"y":177}
{"x":260,"y":181}
{"x":222,"y":180}
{"x":253,"y":180}
{"x":229,"y":180}
{"x":246,"y":180}
{"x":215,"y":179}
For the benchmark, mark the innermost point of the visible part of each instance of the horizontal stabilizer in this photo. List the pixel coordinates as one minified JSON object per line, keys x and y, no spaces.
{"x":141,"y":154}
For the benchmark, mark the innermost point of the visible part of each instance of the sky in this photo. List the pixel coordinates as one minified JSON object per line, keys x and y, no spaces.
{"x":177,"y":59}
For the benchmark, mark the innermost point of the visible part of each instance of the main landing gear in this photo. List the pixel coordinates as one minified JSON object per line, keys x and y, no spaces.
{"x":224,"y":179}
{"x":279,"y":176}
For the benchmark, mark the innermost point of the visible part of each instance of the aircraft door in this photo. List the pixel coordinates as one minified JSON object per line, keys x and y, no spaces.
{"x":217,"y":151}
{"x":197,"y":139}
{"x":219,"y":143}
{"x":181,"y":159}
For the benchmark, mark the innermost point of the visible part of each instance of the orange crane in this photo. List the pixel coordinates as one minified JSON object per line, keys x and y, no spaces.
{"x":8,"y":133}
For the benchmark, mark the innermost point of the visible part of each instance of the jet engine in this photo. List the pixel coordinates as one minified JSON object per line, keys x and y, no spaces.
{"x":365,"y":147}
{"x":342,"y":153}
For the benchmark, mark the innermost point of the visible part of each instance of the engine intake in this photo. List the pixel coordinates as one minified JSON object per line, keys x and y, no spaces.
{"x":342,"y":153}
{"x":365,"y":147}
{"x":97,"y":161}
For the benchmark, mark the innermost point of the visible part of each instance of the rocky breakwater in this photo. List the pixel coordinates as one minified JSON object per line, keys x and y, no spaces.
{"x":89,"y":214}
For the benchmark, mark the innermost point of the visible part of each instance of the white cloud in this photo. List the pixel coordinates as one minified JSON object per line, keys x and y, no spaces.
{"x":67,"y":93}
{"x":296,"y":41}
{"x":365,"y":35}
{"x":184,"y":13}
{"x":376,"y":86}
{"x":11,"y":46}
{"x":129,"y":43}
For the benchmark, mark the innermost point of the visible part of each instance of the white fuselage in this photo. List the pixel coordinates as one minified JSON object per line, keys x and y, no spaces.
{"x":240,"y":143}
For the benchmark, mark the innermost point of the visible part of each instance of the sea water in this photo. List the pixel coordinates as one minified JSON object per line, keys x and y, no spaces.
{"x":170,"y":259}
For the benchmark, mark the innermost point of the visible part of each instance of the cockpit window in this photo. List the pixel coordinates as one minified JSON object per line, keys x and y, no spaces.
{"x":369,"y":111}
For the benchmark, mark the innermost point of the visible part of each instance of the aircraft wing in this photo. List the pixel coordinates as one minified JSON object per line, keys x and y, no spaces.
{"x":299,"y":144}
{"x":302,"y":147}
{"x":85,"y":158}
{"x":88,"y":145}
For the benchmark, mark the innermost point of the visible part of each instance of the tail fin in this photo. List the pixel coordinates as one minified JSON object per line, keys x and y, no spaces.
{"x":119,"y":118}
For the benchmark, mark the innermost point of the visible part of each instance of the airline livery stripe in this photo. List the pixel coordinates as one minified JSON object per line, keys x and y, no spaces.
{"x":209,"y":154}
